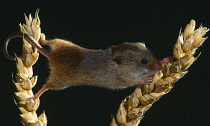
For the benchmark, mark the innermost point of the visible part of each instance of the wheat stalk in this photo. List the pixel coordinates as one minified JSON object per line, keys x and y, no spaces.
{"x":133,"y":107}
{"x":24,"y":79}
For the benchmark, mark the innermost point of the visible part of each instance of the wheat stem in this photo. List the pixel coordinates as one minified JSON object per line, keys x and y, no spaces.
{"x":133,"y":107}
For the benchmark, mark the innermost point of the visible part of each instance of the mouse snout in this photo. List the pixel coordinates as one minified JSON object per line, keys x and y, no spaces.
{"x":156,"y":67}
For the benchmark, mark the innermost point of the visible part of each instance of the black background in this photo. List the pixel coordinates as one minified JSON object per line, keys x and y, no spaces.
{"x":98,"y":25}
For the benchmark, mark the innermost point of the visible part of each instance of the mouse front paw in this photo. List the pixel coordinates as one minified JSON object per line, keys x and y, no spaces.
{"x":42,"y":39}
{"x":147,"y":80}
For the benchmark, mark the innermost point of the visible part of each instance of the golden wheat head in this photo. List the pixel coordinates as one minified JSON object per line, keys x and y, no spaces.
{"x":24,"y":79}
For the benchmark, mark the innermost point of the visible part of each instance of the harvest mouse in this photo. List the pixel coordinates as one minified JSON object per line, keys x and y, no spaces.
{"x":125,"y":65}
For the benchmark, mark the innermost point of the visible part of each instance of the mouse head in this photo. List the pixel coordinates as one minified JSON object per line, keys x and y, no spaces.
{"x":134,"y":62}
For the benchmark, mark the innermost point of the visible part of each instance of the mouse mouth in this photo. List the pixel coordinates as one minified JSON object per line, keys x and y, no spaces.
{"x":147,"y":79}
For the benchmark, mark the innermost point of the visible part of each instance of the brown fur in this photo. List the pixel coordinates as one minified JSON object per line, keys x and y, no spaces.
{"x":73,"y":65}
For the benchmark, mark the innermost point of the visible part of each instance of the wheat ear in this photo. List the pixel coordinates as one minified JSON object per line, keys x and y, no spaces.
{"x":24,"y":79}
{"x":133,"y":107}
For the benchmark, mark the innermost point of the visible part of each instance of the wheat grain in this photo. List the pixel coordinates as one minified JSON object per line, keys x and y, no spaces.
{"x":133,"y":107}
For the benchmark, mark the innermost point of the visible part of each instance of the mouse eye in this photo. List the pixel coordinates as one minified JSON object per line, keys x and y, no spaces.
{"x":144,"y":61}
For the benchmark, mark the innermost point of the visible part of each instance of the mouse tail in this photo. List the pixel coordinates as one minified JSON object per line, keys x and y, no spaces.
{"x":27,"y":37}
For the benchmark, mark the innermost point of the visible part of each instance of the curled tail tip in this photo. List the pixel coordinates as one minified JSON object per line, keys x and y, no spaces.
{"x":8,"y":56}
{"x":5,"y":51}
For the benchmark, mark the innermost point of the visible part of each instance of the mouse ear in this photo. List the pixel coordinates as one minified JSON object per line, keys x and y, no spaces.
{"x":114,"y":55}
{"x":118,"y":60}
{"x":117,"y":54}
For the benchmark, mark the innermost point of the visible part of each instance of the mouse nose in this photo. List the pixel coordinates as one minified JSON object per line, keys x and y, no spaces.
{"x":156,"y":67}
